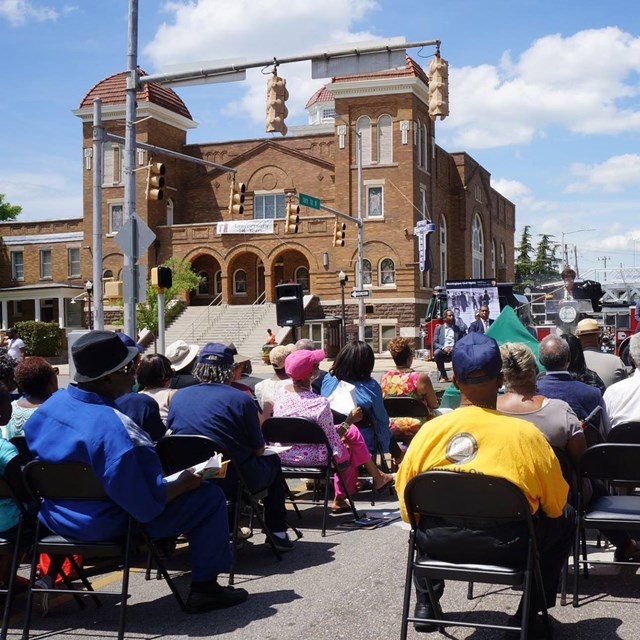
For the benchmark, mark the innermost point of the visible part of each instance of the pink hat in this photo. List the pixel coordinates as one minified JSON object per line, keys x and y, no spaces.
{"x":299,"y":364}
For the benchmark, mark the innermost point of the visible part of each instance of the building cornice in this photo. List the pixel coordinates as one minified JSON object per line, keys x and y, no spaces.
{"x":144,"y":110}
{"x":382,"y":86}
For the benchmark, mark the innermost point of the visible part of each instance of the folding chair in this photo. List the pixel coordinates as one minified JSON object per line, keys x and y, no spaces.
{"x":287,"y":431}
{"x":14,"y":548}
{"x":76,"y":481}
{"x":611,"y":463}
{"x":473,"y":499}
{"x":592,"y":434}
{"x":625,"y":433}
{"x":406,"y":408}
{"x":179,"y":451}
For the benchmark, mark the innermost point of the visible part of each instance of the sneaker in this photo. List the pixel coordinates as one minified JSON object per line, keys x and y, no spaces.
{"x":282,"y":544}
{"x":214,"y":597}
{"x":424,"y":610}
{"x":46,"y":582}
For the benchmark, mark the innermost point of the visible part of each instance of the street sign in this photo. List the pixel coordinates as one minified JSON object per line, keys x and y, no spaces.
{"x":308,"y":201}
{"x":360,"y":293}
{"x":124,"y":237}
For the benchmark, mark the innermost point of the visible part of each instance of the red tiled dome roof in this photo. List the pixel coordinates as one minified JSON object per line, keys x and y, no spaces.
{"x":321,"y":95}
{"x":111,"y":91}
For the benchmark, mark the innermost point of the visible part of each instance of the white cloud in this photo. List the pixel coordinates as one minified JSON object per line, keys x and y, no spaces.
{"x":610,"y":176}
{"x":586,"y":83}
{"x":18,"y":12}
{"x":206,"y":30}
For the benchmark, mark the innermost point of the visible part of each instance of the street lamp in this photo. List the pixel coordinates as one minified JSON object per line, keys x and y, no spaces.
{"x":343,"y":277}
{"x":564,"y":248}
{"x":88,"y":285}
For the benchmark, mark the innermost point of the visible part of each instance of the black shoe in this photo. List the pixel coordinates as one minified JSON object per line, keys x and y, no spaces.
{"x":282,"y":544}
{"x":424,"y":611}
{"x":214,"y":597}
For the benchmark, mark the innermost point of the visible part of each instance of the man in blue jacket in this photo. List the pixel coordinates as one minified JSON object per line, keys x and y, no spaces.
{"x":82,"y":424}
{"x":444,"y":338}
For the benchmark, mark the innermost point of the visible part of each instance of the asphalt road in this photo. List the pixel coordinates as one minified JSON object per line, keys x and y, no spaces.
{"x":347,"y":585}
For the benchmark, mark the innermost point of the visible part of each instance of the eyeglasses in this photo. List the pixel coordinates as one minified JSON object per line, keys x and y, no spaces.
{"x":128,"y":368}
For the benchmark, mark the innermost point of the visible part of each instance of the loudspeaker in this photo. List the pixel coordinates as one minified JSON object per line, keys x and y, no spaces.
{"x":289,"y":308}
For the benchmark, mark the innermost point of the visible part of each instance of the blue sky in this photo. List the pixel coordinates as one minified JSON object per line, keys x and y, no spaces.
{"x":545,"y":94}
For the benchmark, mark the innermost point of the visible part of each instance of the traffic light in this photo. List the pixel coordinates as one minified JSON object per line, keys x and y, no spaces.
{"x":162,"y":277}
{"x":277,"y":95}
{"x":236,"y":197}
{"x":155,"y":180}
{"x":438,"y":88}
{"x":291,"y":218}
{"x":339,"y":229}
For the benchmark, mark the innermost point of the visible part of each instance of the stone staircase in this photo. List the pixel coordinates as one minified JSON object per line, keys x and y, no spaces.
{"x":244,"y":325}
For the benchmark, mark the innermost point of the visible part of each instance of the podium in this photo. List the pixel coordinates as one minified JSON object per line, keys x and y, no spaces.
{"x":567,"y":313}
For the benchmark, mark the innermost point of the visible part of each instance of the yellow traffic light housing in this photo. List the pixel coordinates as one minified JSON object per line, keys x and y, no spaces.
{"x":236,"y":198}
{"x":291,"y":218}
{"x":438,"y":88}
{"x":155,"y":180}
{"x":339,"y":233}
{"x":277,"y":95}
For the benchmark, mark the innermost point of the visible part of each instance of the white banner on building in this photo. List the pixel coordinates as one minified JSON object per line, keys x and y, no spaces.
{"x":245,"y":226}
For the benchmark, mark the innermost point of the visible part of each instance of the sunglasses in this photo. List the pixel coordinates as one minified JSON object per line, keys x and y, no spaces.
{"x":128,"y":368}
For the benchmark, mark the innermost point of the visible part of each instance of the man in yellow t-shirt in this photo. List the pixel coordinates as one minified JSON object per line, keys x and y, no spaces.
{"x":475,"y":438}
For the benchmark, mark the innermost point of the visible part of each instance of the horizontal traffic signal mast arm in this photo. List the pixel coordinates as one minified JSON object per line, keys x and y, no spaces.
{"x":168,"y":152}
{"x":344,"y":216}
{"x":204,"y":72}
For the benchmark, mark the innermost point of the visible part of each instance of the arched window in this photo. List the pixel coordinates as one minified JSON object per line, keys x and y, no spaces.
{"x":443,"y":250}
{"x":240,"y":282}
{"x":217,"y":283}
{"x":493,"y":258}
{"x":366,"y":272}
{"x":477,"y":248}
{"x":301,"y":276}
{"x":420,"y":144}
{"x":169,"y":212}
{"x":363,"y":127}
{"x":385,"y":140}
{"x":203,"y":287}
{"x":387,"y":273}
{"x":503,"y":255}
{"x":107,"y":274}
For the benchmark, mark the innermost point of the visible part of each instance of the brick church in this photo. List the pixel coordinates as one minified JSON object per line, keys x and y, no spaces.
{"x":406,"y":177}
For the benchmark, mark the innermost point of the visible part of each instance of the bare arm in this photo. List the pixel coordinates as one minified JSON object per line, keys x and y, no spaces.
{"x":426,"y":392}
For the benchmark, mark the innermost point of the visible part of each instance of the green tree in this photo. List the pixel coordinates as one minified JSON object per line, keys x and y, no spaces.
{"x":524,"y":264}
{"x":546,"y":264}
{"x":183,"y":281}
{"x":8,"y":211}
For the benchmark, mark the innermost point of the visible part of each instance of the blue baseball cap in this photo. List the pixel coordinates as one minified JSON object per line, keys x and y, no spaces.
{"x":479,"y":354}
{"x":216,"y":353}
{"x":129,"y":341}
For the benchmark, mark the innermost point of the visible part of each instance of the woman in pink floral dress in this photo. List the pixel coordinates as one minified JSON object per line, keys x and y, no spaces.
{"x":347,"y":444}
{"x":404,"y":382}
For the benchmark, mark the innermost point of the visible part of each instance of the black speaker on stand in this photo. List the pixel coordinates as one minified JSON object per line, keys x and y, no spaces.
{"x":289,"y":307}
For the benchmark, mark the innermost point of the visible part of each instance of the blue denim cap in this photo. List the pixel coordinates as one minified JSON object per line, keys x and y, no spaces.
{"x":476,"y":353}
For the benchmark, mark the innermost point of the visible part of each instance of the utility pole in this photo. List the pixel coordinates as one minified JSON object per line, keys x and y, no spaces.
{"x":604,"y":260}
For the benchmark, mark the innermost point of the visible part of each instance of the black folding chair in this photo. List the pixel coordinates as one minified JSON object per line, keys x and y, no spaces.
{"x":474,"y":499}
{"x":286,"y":431}
{"x":180,"y":451}
{"x":611,"y":463}
{"x":625,"y":433}
{"x":13,"y":547}
{"x":76,"y":481}
{"x":406,"y":408}
{"x":592,"y":434}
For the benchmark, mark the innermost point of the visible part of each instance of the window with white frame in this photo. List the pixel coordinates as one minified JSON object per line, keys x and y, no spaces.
{"x":366,"y":272}
{"x":368,"y":336}
{"x":477,"y":248}
{"x":17,"y":265}
{"x":387,"y":333}
{"x":217,"y":283}
{"x":375,"y":201}
{"x":73,"y":261}
{"x":107,"y":274}
{"x":313,"y":331}
{"x":240,"y":282}
{"x":420,"y":143}
{"x":45,"y":263}
{"x":385,"y":139}
{"x":363,"y":127}
{"x":423,"y":202}
{"x":268,"y":206}
{"x":112,"y":164}
{"x":170,"y":207}
{"x":116,"y":217}
{"x":425,"y":150}
{"x":443,"y":250}
{"x":493,"y":258}
{"x":328,"y":114}
{"x":301,"y":276}
{"x":387,"y":273}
